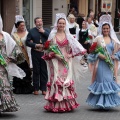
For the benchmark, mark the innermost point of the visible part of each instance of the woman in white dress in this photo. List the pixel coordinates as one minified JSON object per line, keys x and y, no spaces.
{"x":73,"y":26}
{"x":19,"y":34}
{"x":61,"y":95}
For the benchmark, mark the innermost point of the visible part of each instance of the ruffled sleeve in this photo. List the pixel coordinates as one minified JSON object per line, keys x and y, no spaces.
{"x":117,"y":55}
{"x":92,"y":58}
{"x":117,"y":51}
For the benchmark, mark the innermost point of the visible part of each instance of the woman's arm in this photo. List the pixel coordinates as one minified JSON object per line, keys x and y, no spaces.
{"x":116,"y":70}
{"x":77,"y":32}
{"x":101,"y":56}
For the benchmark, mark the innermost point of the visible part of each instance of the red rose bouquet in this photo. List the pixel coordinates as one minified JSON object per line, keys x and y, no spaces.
{"x":95,"y":49}
{"x":46,"y":45}
{"x":89,"y":37}
{"x":53,"y":49}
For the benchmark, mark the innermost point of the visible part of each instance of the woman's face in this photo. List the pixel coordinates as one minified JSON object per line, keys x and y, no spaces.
{"x":73,"y":9}
{"x":61,"y":24}
{"x":105,"y":30}
{"x":92,"y":17}
{"x":72,"y":20}
{"x":84,"y":25}
{"x":89,"y":20}
{"x":21,"y":26}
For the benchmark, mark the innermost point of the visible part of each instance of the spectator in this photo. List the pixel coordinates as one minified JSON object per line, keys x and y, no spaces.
{"x":35,"y":39}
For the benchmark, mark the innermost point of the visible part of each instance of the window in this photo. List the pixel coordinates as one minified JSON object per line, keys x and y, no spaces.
{"x":27,"y":13}
{"x":47,"y":12}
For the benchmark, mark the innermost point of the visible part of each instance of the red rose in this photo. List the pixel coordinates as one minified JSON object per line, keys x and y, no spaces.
{"x":90,"y":37}
{"x":51,"y":54}
{"x":45,"y":57}
{"x":46,"y":44}
{"x":93,"y":47}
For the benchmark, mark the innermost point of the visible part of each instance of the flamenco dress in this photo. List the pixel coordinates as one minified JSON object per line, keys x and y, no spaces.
{"x":104,"y":90}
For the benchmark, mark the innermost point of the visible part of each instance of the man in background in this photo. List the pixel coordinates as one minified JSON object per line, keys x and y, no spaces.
{"x":35,"y":39}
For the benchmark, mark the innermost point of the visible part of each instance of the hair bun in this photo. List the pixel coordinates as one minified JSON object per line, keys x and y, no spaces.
{"x":16,"y":25}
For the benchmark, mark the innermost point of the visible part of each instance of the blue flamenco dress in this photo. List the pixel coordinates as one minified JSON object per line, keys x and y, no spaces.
{"x":104,"y":90}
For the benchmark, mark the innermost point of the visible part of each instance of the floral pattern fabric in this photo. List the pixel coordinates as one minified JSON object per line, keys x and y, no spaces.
{"x":7,"y":100}
{"x":60,"y":96}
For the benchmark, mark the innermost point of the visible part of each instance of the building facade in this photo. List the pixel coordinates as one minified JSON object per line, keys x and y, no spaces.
{"x":8,"y":10}
{"x":30,"y":9}
{"x":46,"y":9}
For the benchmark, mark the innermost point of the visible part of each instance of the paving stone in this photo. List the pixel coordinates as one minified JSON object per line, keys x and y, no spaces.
{"x":32,"y":107}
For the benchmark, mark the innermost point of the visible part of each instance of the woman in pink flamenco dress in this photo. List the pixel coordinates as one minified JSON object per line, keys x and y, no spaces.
{"x":60,"y":87}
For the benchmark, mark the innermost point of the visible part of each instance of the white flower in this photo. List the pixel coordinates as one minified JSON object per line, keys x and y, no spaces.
{"x":103,"y":43}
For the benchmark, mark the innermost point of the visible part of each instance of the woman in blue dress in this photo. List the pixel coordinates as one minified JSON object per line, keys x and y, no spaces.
{"x":104,"y":88}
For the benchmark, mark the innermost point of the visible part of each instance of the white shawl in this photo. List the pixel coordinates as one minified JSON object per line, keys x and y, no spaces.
{"x":12,"y":68}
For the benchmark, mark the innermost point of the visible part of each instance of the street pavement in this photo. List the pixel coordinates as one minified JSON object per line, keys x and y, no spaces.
{"x":32,"y":107}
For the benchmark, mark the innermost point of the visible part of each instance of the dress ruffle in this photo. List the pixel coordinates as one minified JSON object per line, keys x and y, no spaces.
{"x":23,"y":86}
{"x":104,"y":88}
{"x":63,"y":106}
{"x":104,"y":101}
{"x":7,"y":102}
{"x":104,"y":95}
{"x":57,"y":102}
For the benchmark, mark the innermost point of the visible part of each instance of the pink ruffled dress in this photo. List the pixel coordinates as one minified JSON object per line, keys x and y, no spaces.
{"x":60,"y":96}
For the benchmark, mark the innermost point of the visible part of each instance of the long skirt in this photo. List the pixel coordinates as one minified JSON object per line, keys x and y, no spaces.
{"x":7,"y":100}
{"x":23,"y":86}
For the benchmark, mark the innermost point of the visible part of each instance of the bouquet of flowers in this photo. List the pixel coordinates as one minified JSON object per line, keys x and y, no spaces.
{"x":53,"y":48}
{"x":2,"y":60}
{"x":89,"y":37}
{"x":95,"y":49}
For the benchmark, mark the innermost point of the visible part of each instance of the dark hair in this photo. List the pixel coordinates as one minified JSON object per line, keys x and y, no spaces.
{"x":105,"y":24}
{"x":18,"y":23}
{"x":83,"y":21}
{"x":60,"y":19}
{"x":88,"y":18}
{"x":36,"y":19}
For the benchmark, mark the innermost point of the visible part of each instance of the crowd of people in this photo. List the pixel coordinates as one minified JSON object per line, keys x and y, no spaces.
{"x":48,"y":61}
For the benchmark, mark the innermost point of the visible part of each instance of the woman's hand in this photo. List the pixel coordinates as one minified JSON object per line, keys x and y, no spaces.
{"x":51,"y":54}
{"x":113,"y":57}
{"x":101,"y":56}
{"x":86,"y":42}
{"x":8,"y":60}
{"x":69,"y":56}
{"x":59,"y":57}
